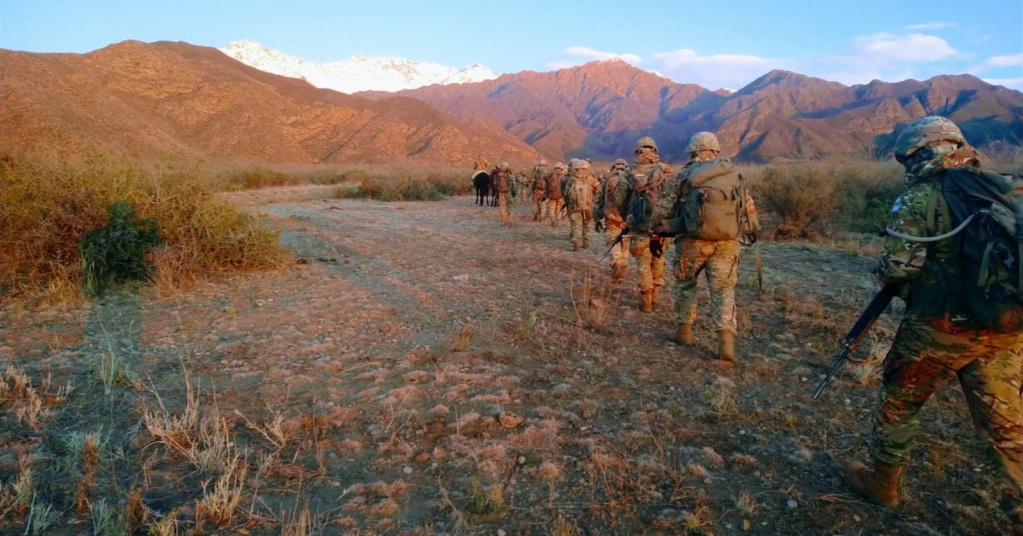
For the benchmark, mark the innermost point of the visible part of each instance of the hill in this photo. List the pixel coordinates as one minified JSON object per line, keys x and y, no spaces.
{"x":599,"y":109}
{"x":168,"y":99}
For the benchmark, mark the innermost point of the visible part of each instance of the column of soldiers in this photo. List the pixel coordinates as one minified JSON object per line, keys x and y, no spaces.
{"x":930,"y":344}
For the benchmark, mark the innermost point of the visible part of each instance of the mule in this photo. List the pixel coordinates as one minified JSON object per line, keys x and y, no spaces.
{"x":481,"y":182}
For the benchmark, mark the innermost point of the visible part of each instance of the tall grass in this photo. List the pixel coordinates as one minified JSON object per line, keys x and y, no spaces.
{"x":48,"y":206}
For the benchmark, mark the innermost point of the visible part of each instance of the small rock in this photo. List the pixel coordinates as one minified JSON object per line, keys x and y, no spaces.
{"x":522,"y":460}
{"x":407,"y":470}
{"x":792,"y":503}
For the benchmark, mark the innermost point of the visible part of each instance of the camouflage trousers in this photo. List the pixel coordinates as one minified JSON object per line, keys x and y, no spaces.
{"x":554,"y":210}
{"x":502,"y":205}
{"x":579,"y":227}
{"x":539,"y":205}
{"x":650,"y":269}
{"x":620,"y":253}
{"x":720,"y":258}
{"x":988,"y":368}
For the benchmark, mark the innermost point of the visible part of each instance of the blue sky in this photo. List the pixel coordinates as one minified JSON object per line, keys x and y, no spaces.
{"x":721,"y":43}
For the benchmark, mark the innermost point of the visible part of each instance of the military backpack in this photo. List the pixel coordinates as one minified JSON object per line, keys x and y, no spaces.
{"x":983,"y":277}
{"x":714,"y":206}
{"x":645,"y":183}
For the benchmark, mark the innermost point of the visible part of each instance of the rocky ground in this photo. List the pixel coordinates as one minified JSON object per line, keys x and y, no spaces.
{"x":425,"y":368}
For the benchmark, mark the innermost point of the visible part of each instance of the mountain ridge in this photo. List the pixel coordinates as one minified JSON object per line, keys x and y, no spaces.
{"x":178,"y":99}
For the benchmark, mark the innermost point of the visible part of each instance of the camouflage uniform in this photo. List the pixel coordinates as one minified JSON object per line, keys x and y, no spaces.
{"x":720,"y":258}
{"x":610,"y":207}
{"x":928,"y":347}
{"x":552,"y":189}
{"x":579,"y":191}
{"x":650,"y":267}
{"x":481,"y":164}
{"x":523,"y":186}
{"x":502,"y":182}
{"x":539,"y":184}
{"x":935,"y":341}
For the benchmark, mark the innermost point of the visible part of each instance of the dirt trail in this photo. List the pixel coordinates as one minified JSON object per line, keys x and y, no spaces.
{"x":404,"y":330}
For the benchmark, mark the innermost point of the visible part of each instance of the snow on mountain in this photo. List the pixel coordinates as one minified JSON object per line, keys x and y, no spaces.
{"x":358,"y":73}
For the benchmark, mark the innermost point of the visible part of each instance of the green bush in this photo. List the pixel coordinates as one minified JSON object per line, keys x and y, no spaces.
{"x":116,"y":253}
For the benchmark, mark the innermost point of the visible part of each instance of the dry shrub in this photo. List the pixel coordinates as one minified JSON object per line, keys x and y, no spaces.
{"x":49,"y":206}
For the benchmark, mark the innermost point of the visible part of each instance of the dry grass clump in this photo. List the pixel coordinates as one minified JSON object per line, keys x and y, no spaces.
{"x":49,"y":206}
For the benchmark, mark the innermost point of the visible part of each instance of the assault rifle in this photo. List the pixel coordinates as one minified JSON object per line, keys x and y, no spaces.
{"x":859,"y":330}
{"x":628,"y":233}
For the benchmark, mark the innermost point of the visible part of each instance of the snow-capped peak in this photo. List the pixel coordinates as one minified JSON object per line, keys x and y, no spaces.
{"x":357,"y":73}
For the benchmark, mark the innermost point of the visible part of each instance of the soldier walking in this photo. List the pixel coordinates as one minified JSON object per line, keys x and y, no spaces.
{"x":645,"y":178}
{"x":609,"y":211}
{"x":706,"y":245}
{"x":580,"y":189}
{"x":939,"y":335}
{"x":552,"y":193}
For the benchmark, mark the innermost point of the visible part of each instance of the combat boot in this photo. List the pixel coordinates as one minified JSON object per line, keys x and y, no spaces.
{"x":575,"y":246}
{"x":727,"y":349}
{"x":879,"y":485}
{"x":684,"y":335}
{"x":653,"y":294}
{"x":646,"y":303}
{"x":586,"y":243}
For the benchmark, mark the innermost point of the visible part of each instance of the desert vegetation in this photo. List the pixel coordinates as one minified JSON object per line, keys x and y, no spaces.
{"x":307,"y":360}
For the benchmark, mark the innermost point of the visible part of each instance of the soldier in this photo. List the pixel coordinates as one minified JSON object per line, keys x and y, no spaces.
{"x":719,"y":255}
{"x":552,"y":193}
{"x":539,"y":184}
{"x":937,"y":336}
{"x":579,"y":191}
{"x":609,"y":211}
{"x":645,"y":178}
{"x":481,"y":163}
{"x":522,"y":185}
{"x":502,"y":182}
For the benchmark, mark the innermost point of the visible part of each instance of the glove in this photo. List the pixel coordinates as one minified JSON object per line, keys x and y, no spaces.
{"x":748,"y":240}
{"x":656,"y":248}
{"x":598,"y":225}
{"x":660,"y":230}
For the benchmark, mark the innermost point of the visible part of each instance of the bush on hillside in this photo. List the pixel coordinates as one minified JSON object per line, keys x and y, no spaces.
{"x":47,"y":207}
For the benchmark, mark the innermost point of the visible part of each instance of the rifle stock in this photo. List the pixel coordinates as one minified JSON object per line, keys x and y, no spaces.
{"x":863,"y":324}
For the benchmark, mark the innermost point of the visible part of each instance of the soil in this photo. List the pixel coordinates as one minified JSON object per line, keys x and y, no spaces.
{"x":437,"y":370}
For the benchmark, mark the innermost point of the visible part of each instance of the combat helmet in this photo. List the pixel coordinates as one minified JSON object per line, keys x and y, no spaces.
{"x":923,"y":132}
{"x":703,"y":141}
{"x":505,"y":166}
{"x":578,"y":163}
{"x":542,"y":162}
{"x":619,"y":164}
{"x":645,"y":142}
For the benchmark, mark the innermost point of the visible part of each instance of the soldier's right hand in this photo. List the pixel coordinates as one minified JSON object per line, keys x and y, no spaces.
{"x":598,"y":225}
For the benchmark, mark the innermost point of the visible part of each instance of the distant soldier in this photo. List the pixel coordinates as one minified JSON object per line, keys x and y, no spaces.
{"x":645,"y":179}
{"x":707,"y":187}
{"x":522,"y":186}
{"x":502,"y":182}
{"x":609,"y":211}
{"x":580,"y":189}
{"x":481,"y":164}
{"x":539,"y":185}
{"x":552,"y":193}
{"x":941,"y":333}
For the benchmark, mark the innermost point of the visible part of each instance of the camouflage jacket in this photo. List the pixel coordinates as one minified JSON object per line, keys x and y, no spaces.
{"x":612,"y":197}
{"x":917,"y":266}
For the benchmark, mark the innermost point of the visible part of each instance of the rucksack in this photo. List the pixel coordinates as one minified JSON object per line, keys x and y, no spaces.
{"x":715,"y":207}
{"x":987,"y":209}
{"x":579,"y":190}
{"x":645,"y":185}
{"x":553,"y":189}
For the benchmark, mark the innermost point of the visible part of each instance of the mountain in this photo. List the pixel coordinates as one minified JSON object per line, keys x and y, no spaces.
{"x":169,"y":99}
{"x":601,"y":108}
{"x":358,"y":73}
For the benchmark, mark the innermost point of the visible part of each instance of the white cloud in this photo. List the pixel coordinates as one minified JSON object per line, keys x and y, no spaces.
{"x":912,"y":47}
{"x":714,"y":71}
{"x":929,"y":26}
{"x":1011,"y":60}
{"x":588,"y":52}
